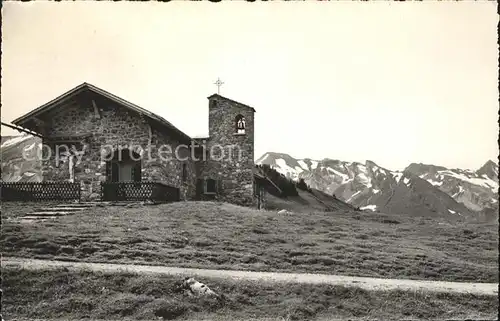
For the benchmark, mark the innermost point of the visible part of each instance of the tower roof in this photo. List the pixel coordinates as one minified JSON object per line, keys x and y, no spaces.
{"x":230,"y":100}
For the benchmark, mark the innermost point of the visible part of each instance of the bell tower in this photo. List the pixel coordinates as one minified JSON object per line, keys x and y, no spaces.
{"x":230,"y":149}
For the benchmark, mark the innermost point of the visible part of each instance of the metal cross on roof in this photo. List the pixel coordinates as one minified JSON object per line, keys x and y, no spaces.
{"x":218,"y":83}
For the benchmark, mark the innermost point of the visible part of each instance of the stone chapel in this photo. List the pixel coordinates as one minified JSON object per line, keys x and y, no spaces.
{"x":91,"y":136}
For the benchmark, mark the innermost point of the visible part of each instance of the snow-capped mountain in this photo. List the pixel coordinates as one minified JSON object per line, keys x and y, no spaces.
{"x":475,"y":189}
{"x":19,"y":158}
{"x":419,"y":189}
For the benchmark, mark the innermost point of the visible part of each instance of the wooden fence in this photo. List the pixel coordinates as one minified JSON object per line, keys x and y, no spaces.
{"x":139,"y":191}
{"x":66,"y":191}
{"x":39,"y":191}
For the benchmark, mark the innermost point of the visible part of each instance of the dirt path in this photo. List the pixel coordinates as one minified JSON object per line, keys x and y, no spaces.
{"x":349,"y":281}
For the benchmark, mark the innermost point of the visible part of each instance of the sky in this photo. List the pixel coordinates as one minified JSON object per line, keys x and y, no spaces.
{"x":391,"y":82}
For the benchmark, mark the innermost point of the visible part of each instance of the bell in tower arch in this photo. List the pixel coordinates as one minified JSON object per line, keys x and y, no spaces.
{"x":240,"y":124}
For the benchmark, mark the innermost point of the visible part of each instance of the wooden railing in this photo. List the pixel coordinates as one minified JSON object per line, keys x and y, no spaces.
{"x":139,"y":191}
{"x":39,"y":191}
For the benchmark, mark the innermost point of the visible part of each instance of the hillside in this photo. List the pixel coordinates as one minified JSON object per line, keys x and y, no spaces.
{"x":418,"y":190}
{"x":294,"y":197}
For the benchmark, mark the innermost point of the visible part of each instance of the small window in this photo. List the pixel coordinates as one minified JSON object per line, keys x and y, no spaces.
{"x":184,"y":172}
{"x":210,"y":186}
{"x":240,"y":124}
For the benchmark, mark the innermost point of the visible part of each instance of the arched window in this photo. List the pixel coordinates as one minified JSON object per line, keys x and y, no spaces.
{"x":240,"y":124}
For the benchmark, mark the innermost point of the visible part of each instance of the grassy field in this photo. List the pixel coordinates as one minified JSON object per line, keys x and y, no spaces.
{"x":223,"y":236}
{"x":87,"y":295}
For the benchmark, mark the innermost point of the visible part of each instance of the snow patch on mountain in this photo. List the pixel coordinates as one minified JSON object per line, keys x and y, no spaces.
{"x":364,"y":179}
{"x":397,"y":176}
{"x":454,"y":212}
{"x":460,"y":190}
{"x":288,"y":171}
{"x":369,"y":207}
{"x":344,"y":177}
{"x":30,"y":147}
{"x":15,"y":140}
{"x":361,"y":167}
{"x":353,"y":195}
{"x":263,"y":159}
{"x":303,"y":165}
{"x":485,"y":181}
{"x":434,"y":183}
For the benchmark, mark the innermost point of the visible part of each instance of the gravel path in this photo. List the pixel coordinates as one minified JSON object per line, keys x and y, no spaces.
{"x":349,"y":281}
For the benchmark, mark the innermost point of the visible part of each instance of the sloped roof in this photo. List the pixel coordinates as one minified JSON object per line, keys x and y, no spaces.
{"x":230,"y":100}
{"x":88,"y":87}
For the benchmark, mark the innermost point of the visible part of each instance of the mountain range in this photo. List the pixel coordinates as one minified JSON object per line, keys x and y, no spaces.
{"x":419,"y":189}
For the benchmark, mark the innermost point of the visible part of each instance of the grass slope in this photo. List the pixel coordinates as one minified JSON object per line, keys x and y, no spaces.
{"x":306,"y":202}
{"x":126,"y":296}
{"x":223,"y":236}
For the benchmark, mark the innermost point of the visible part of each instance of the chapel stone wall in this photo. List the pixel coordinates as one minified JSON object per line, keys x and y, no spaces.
{"x":230,"y":158}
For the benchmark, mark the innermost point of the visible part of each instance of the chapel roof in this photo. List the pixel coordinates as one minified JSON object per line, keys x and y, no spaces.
{"x":23,"y":120}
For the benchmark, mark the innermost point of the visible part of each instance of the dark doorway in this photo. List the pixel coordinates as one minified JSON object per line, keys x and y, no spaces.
{"x":125,"y":166}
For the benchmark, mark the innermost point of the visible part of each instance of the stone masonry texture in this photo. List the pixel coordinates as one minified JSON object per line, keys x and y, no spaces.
{"x":231,"y":155}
